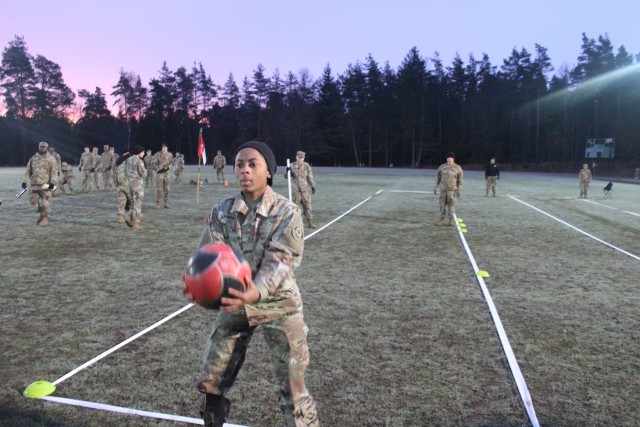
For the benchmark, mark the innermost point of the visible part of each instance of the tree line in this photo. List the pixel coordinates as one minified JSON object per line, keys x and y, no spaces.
{"x":368,"y":115}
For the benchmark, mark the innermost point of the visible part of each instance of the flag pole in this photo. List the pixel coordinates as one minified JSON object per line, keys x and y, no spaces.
{"x":198,"y":184}
{"x":289,"y":179}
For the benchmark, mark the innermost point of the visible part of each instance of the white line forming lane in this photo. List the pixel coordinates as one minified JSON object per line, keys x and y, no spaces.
{"x":610,"y":207}
{"x":504,"y":340}
{"x":636,"y":257}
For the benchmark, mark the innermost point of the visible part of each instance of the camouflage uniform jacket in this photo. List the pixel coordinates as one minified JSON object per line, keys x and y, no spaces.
{"x":302,"y":176}
{"x":87,"y":161}
{"x":162,"y":160}
{"x":41,"y":170}
{"x":219,"y":161}
{"x":67,"y":172}
{"x":107,"y":160}
{"x":121,"y":175}
{"x":96,"y":161}
{"x":179,"y":164}
{"x":147,"y":162}
{"x":449,"y":177}
{"x":584,"y":175}
{"x":135,"y":171}
{"x":271,"y":240}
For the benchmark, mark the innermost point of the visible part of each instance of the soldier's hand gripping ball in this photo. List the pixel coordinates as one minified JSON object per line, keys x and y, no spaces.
{"x":211,"y":271}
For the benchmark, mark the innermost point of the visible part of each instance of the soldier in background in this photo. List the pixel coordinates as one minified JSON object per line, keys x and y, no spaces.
{"x":585,"y":178}
{"x":491,"y":176}
{"x":107,"y":162}
{"x":115,"y":156}
{"x":67,"y":178}
{"x":219,"y":162}
{"x":178,"y":169}
{"x":449,"y":179}
{"x":122,"y":187}
{"x":136,"y":173}
{"x":96,"y":168}
{"x":302,"y":179}
{"x":151,"y":172}
{"x":55,"y":155}
{"x":162,"y":163}
{"x":42,"y":171}
{"x":87,"y":167}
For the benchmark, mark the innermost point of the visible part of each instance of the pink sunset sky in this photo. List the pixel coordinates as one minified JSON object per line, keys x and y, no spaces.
{"x":93,"y":40}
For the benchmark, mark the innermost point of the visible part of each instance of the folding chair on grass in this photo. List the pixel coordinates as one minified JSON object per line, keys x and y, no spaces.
{"x":607,"y":190}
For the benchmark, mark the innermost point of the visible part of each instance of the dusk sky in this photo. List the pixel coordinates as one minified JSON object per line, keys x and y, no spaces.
{"x":93,"y":40}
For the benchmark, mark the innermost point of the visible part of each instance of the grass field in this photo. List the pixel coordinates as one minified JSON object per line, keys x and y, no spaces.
{"x":400,"y":334}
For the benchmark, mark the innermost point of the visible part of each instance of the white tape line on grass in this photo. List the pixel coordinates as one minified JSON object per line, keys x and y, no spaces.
{"x":610,"y":207}
{"x":121,"y":410}
{"x":577,"y":229}
{"x":504,"y":340}
{"x":122,"y":344}
{"x":343,"y":215}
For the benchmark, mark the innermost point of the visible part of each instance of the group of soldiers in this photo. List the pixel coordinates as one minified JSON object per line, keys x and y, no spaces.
{"x":50,"y":176}
{"x":130,"y":173}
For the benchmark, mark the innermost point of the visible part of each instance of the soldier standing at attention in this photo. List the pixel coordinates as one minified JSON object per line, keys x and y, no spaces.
{"x":151,"y":173}
{"x":67,"y":178}
{"x":268,"y":229}
{"x":42,"y":171}
{"x":115,"y":156}
{"x":106,"y":164}
{"x":491,"y":176}
{"x":219,"y":162}
{"x":136,"y":173}
{"x":585,"y":178}
{"x":449,"y":179}
{"x":179,"y":168}
{"x":96,"y":168}
{"x":87,"y":165}
{"x":302,"y":179}
{"x":122,"y":187}
{"x":162,"y":163}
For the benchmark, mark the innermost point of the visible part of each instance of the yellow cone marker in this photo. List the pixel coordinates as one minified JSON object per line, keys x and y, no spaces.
{"x":482,"y":273}
{"x":464,"y":230}
{"x":462,"y":224}
{"x":39,"y":389}
{"x":459,"y":219}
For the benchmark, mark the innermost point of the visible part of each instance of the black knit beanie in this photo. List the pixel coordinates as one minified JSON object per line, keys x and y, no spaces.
{"x":266,"y":153}
{"x":137,"y":149}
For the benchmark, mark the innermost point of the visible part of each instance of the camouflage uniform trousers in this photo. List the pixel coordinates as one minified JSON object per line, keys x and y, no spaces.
{"x":287,"y":340}
{"x":584,"y":186}
{"x":220,"y":174}
{"x":492,"y":181}
{"x":162,"y":187}
{"x":303,"y":199}
{"x":69,"y":182}
{"x":447,"y":198}
{"x":136,"y":195}
{"x":88,"y":181}
{"x":178,"y":174}
{"x":151,"y":178}
{"x":39,"y":198}
{"x":107,"y":180}
{"x":96,"y":178}
{"x":122,"y":193}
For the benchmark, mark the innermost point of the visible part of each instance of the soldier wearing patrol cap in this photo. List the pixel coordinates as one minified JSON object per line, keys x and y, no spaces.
{"x":302,"y":179}
{"x":42,"y":171}
{"x":449,"y":179}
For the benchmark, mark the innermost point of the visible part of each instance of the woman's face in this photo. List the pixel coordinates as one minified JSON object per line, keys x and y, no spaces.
{"x":251,"y":172}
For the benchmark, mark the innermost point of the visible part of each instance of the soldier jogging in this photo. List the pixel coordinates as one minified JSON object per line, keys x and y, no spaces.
{"x":162,"y":163}
{"x":449,"y":179}
{"x":302,"y":179}
{"x":42,"y":171}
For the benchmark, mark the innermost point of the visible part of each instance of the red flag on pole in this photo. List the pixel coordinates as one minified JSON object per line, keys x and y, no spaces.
{"x":202,"y":154}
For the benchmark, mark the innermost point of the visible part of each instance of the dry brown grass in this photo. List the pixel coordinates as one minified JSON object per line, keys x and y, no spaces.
{"x":399,"y":332}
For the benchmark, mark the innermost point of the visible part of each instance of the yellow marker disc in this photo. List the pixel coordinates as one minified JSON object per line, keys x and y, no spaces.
{"x":459,"y":219}
{"x":482,"y":273}
{"x":464,"y":230}
{"x":39,"y":389}
{"x":462,"y":224}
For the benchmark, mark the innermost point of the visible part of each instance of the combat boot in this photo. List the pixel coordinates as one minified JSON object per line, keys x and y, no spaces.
{"x":129,"y":221}
{"x":44,"y":220}
{"x":167,"y":205}
{"x":121,"y":219}
{"x":451,"y":221}
{"x":440,"y":223}
{"x":310,"y":224}
{"x":215,"y":410}
{"x":157,"y":204}
{"x":136,"y":226}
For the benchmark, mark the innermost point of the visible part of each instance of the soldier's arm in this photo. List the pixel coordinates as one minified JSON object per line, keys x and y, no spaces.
{"x":310,"y":179}
{"x":27,"y":172}
{"x":460,"y":180}
{"x":53,"y":174}
{"x":283,"y":253}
